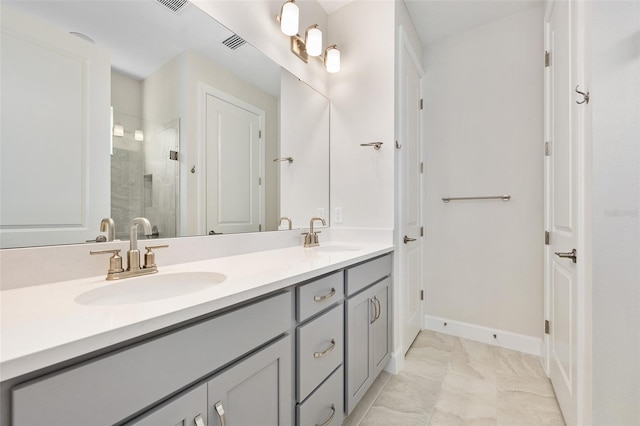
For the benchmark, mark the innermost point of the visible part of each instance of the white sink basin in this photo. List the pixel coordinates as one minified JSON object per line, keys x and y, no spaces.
{"x":149,"y":288}
{"x":336,"y":249}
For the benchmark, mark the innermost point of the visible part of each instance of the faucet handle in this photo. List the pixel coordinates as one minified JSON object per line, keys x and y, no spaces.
{"x":150,"y":256}
{"x":115,"y":261}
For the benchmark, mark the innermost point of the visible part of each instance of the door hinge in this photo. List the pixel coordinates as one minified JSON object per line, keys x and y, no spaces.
{"x":547,"y":59}
{"x":547,"y":238}
{"x":259,"y":181}
{"x":421,"y":294}
{"x":422,"y":231}
{"x":173,"y":155}
{"x":546,"y":326}
{"x":259,"y":134}
{"x":421,"y":167}
{"x":547,"y":149}
{"x":260,"y":227}
{"x":421,"y":103}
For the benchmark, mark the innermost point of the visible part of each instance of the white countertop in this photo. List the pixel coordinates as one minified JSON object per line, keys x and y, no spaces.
{"x":44,"y":325}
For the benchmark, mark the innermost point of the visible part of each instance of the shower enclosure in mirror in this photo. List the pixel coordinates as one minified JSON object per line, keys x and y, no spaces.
{"x":125,"y":108}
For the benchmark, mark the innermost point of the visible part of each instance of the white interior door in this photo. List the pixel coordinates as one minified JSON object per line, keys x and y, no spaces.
{"x":410,"y":198}
{"x":234,"y":155}
{"x":565,"y":134}
{"x":63,"y":162}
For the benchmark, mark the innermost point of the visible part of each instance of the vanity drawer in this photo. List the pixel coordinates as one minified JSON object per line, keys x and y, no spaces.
{"x":106,"y":390}
{"x":320,"y":350}
{"x":319,"y":295}
{"x":324,"y":406}
{"x":367,"y":273}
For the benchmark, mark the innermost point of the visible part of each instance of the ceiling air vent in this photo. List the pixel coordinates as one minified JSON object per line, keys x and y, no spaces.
{"x":173,"y":5}
{"x":234,"y":42}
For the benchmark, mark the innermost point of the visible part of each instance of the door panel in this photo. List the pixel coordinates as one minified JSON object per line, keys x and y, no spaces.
{"x":63,"y":163}
{"x":411,"y":213}
{"x":233,"y":167}
{"x":182,"y":411}
{"x":563,"y":208}
{"x":358,"y":319}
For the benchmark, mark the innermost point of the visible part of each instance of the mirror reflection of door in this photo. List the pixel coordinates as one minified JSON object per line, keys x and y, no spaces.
{"x":235,"y":153}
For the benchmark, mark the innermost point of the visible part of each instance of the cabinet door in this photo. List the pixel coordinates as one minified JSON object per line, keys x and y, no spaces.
{"x":380,"y":328}
{"x":358,"y":363}
{"x":256,"y":390}
{"x":188,"y":409}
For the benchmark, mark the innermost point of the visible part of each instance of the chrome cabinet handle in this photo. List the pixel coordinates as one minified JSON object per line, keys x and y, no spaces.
{"x":198,"y":420}
{"x":573,"y":255}
{"x":330,"y":419}
{"x":325,"y":297}
{"x":408,"y":240}
{"x":375,"y":310}
{"x":283,"y":159}
{"x":327,"y":351}
{"x":378,"y":309}
{"x":220,"y":410}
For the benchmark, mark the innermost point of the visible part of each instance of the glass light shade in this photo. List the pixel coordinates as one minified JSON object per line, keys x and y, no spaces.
{"x":118,"y":130}
{"x":138,"y":135}
{"x":313,"y":41}
{"x":332,"y":59}
{"x":289,"y":17}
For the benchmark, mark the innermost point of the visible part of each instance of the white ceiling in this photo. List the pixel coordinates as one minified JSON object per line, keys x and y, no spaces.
{"x":438,"y":19}
{"x":142,"y":36}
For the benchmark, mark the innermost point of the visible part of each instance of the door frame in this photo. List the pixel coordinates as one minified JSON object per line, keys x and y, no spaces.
{"x":399,"y":315}
{"x":205,"y":90}
{"x":580,"y":36}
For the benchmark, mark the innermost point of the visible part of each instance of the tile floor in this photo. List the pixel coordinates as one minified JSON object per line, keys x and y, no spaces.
{"x":452,"y":381}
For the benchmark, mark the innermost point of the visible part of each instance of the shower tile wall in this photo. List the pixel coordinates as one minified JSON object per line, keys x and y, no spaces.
{"x":126,"y":188}
{"x":161,"y":178}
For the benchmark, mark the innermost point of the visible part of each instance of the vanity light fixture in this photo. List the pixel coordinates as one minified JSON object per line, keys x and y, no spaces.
{"x":118,"y":130}
{"x":289,"y":18}
{"x":311,"y":44}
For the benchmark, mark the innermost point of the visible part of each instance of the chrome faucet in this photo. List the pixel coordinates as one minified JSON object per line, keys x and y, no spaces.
{"x":311,"y":237}
{"x":133,"y":255}
{"x":287,"y":219}
{"x":107,"y":225}
{"x":116,"y":271}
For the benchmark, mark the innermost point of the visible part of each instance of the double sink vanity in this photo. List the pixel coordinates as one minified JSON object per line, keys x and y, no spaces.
{"x":287,"y":336}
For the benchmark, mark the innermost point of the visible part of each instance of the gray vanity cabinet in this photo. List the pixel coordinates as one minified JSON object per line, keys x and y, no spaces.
{"x":189,"y":408}
{"x":368,"y":327}
{"x":255,"y":391}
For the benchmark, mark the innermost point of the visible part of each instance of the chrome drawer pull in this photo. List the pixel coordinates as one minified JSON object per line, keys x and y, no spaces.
{"x":330,"y":419}
{"x":198,"y":420}
{"x":327,"y":351}
{"x":220,"y":410}
{"x":379,"y":307}
{"x":325,"y":297}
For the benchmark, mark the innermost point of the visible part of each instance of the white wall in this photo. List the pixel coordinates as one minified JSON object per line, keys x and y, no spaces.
{"x":362,"y":96}
{"x":616,"y":219}
{"x":483,"y":134}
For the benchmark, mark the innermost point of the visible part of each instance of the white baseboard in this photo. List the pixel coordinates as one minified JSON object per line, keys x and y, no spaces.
{"x":396,"y":363}
{"x":478,"y":333}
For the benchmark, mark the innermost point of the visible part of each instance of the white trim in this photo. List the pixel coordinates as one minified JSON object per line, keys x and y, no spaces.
{"x":504,"y":339}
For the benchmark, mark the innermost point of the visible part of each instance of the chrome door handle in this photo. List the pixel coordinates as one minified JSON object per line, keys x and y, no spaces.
{"x":408,"y":240}
{"x":573,"y":255}
{"x":198,"y":420}
{"x":379,"y":307}
{"x":330,"y":419}
{"x":220,"y":410}
{"x":327,"y":351}
{"x":325,"y":297}
{"x":375,"y":311}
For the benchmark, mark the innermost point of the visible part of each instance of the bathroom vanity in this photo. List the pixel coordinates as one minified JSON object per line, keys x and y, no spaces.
{"x":289,"y":337}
